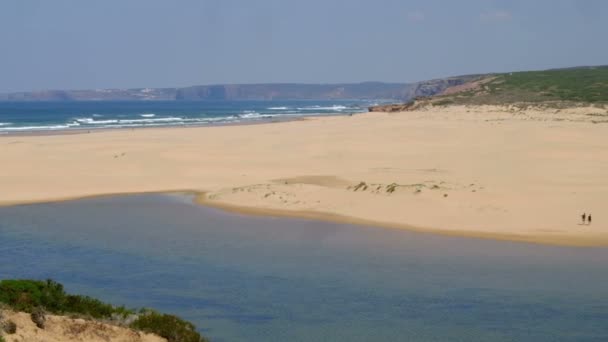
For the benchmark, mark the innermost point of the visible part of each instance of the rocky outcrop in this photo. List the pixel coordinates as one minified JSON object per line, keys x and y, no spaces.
{"x":422,"y":91}
{"x":434,"y":87}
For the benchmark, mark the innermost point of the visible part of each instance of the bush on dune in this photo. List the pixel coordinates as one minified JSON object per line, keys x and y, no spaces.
{"x":173,"y":328}
{"x":29,"y":295}
{"x":35,"y":297}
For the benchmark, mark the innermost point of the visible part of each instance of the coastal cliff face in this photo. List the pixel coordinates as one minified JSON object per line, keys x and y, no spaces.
{"x":279,"y":91}
{"x":583,"y":84}
{"x":287,"y":91}
{"x":424,"y":90}
{"x":434,"y":87}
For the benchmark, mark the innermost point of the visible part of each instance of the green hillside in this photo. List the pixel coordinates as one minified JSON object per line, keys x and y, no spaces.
{"x":584,"y":84}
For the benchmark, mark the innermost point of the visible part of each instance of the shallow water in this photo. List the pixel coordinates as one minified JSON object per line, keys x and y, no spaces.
{"x":241,"y":278}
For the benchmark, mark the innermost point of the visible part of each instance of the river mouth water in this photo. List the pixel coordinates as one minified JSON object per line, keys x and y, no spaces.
{"x":242,"y":278}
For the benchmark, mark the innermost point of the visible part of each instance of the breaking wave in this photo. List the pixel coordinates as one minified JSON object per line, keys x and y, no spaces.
{"x":192,"y":114}
{"x":337,"y":108}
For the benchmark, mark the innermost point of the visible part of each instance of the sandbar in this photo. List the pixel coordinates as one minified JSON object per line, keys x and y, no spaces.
{"x":478,"y":171}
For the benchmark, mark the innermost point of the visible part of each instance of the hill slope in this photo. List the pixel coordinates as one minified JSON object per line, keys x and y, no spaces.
{"x":569,"y":87}
{"x":557,"y":86}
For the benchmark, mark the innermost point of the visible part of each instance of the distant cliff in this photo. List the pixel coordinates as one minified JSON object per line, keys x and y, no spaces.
{"x":293,"y":91}
{"x":277,"y":91}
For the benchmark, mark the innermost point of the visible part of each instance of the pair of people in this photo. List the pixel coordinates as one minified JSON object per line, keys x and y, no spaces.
{"x":586,"y":217}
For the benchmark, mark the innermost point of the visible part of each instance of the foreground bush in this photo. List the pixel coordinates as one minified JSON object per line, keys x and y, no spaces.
{"x":173,"y":328}
{"x":9,"y":327}
{"x":28,"y":295}
{"x":35,"y":297}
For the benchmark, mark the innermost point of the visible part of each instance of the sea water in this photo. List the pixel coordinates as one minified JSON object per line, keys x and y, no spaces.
{"x":87,"y":115}
{"x":241,"y":278}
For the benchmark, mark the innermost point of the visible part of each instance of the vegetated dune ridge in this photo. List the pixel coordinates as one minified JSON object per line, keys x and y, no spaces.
{"x":65,"y":329}
{"x":504,"y":172}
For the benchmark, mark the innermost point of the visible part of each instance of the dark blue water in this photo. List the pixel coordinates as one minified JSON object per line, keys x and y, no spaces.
{"x":245,"y":278}
{"x":47,"y":116}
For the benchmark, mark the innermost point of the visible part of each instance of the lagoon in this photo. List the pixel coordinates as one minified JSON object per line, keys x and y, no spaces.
{"x":242,"y":278}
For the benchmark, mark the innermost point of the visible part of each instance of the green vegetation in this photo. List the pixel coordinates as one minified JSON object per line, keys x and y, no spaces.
{"x":574,"y":85}
{"x":170,"y":327}
{"x":37,"y":297}
{"x":9,"y":327}
{"x":443,"y":102}
{"x":577,"y":85}
{"x":28,"y":295}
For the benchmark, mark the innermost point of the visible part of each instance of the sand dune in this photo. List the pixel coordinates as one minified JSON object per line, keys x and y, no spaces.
{"x":64,"y":329}
{"x":496,"y":172}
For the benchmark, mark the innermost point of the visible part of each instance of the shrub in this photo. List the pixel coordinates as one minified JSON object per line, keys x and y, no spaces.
{"x":9,"y":327}
{"x":38,"y":317}
{"x":173,"y":328}
{"x":443,"y":102}
{"x":25,"y":295}
{"x":28,"y":295}
{"x":88,"y":306}
{"x":36,"y":297}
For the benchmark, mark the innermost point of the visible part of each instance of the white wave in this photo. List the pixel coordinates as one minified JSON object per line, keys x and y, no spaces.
{"x":258,"y":116}
{"x":147,"y":115}
{"x":277,"y":108}
{"x":334,"y":108}
{"x":255,"y":115}
{"x":275,"y":115}
{"x":5,"y":123}
{"x":39,"y":128}
{"x":91,"y":121}
{"x":229,"y":119}
{"x":94,"y":123}
{"x":216,"y":119}
{"x":169,"y":119}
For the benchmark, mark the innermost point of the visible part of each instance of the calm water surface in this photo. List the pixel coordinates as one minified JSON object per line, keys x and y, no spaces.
{"x":242,"y":278}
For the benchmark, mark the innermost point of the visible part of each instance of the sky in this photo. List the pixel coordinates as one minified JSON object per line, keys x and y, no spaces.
{"x":88,"y":44}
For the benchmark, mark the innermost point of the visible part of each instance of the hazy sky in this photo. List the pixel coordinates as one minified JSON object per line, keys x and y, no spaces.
{"x":73,"y":44}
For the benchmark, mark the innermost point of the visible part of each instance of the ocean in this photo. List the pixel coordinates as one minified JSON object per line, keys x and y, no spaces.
{"x":50,"y":116}
{"x":242,"y":278}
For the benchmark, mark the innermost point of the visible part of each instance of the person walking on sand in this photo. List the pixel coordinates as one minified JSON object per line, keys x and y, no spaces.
{"x":589,"y":219}
{"x":584,"y":216}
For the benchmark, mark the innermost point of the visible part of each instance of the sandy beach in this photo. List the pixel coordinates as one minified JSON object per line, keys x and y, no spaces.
{"x":490,"y":172}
